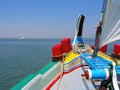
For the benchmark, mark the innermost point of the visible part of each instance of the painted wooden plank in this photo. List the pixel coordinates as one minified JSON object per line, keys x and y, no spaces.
{"x":74,"y":81}
{"x":33,"y":81}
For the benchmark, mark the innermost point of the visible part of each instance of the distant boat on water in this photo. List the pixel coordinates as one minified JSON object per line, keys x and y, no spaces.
{"x":23,"y":38}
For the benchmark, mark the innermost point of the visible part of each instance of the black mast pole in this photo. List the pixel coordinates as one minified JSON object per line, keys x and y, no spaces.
{"x":98,"y":31}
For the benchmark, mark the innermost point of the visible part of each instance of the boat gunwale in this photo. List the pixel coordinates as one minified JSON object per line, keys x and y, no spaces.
{"x":30,"y":77}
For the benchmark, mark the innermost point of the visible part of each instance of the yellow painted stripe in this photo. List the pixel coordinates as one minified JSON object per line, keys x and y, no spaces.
{"x":71,"y":56}
{"x":109,"y":58}
{"x":103,"y":55}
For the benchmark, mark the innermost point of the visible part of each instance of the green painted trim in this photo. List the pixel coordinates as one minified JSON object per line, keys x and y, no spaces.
{"x":22,"y":83}
{"x":26,"y":80}
{"x":46,"y":68}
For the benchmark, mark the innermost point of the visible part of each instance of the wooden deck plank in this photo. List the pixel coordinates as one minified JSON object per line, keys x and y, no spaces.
{"x":73,"y":81}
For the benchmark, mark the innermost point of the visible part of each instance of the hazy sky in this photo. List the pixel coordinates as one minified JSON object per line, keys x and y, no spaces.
{"x":47,"y":18}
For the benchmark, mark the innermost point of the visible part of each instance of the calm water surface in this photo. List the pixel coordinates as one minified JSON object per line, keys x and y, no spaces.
{"x":18,"y":58}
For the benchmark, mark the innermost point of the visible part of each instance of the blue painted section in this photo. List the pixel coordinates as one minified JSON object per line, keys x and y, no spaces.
{"x":79,"y":39}
{"x":87,"y":60}
{"x":98,"y":62}
{"x":98,"y":74}
{"x":118,"y":69}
